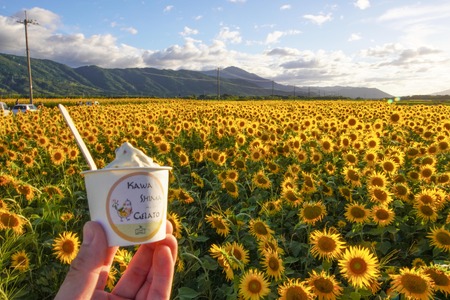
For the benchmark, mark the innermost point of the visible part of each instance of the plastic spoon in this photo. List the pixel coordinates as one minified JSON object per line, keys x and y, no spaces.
{"x":87,"y":155}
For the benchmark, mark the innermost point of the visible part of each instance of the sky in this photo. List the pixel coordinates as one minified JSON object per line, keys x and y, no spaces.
{"x":401,"y":47}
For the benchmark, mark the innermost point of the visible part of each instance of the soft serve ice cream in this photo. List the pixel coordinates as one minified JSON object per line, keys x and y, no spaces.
{"x":127,"y":156}
{"x":129,"y":197}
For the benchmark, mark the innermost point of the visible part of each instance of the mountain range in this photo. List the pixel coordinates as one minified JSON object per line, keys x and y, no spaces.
{"x":52,"y":79}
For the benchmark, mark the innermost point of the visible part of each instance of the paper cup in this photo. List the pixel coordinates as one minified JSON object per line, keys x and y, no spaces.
{"x":130,"y":203}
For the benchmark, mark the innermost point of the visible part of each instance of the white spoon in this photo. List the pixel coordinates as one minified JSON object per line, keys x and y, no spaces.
{"x":87,"y":155}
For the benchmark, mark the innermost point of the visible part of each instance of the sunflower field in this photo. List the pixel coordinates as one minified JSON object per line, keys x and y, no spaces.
{"x":268,"y":199}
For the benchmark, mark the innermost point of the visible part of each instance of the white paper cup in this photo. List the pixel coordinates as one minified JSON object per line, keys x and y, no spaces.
{"x":130,"y":203}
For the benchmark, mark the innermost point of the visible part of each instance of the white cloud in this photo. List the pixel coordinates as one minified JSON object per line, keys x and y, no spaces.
{"x":168,"y":8}
{"x":199,"y":17}
{"x":362,"y":4}
{"x":285,"y":7}
{"x":237,"y":1}
{"x":130,"y":30}
{"x":275,"y":36}
{"x":233,"y":36}
{"x":188,"y":31}
{"x":319,"y":19}
{"x":354,"y":37}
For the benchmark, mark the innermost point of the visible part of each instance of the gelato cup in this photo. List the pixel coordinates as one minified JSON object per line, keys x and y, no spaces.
{"x":130,"y":202}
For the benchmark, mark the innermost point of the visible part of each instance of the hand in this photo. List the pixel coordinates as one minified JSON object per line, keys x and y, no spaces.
{"x":148,"y":276}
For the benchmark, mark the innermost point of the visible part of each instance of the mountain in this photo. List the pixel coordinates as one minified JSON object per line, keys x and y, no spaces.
{"x":52,"y":79}
{"x":442,"y":93}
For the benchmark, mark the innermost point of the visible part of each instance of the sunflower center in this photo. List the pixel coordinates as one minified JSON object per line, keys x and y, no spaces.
{"x":326,"y":244}
{"x":296,"y":293}
{"x":324,"y":285}
{"x":380,"y":194}
{"x":274,"y":263}
{"x":9,"y":220}
{"x":377,"y":181}
{"x":439,"y":279}
{"x":68,"y":247}
{"x":358,"y":266}
{"x":254,"y":286}
{"x":353,"y":175}
{"x":388,"y":166}
{"x":358,"y":213}
{"x":312,"y":212}
{"x":414,"y":284}
{"x":426,"y":210}
{"x":260,"y":228}
{"x":382,"y":214}
{"x":443,"y":238}
{"x":218,"y":223}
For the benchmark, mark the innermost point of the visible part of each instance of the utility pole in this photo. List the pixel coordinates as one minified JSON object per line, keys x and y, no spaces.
{"x":26,"y":22}
{"x":218,"y":83}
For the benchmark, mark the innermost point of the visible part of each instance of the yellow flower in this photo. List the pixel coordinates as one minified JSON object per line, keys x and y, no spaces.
{"x":324,"y":286}
{"x":174,"y":219}
{"x":238,"y":252}
{"x":219,"y":223}
{"x":440,"y":238}
{"x":260,"y":229}
{"x":413,"y":284}
{"x":359,"y":266}
{"x":66,"y":247}
{"x":123,"y":258}
{"x":20,"y":261}
{"x":261,"y":180}
{"x":10,"y":220}
{"x":326,"y":244}
{"x":356,"y":213}
{"x":295,"y":289}
{"x":312,"y":212}
{"x":440,"y":276}
{"x":382,"y":215}
{"x":253,"y":285}
{"x":273,"y":264}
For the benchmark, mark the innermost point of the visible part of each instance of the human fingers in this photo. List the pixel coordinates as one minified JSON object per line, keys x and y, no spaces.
{"x":141,"y":267}
{"x":93,"y":259}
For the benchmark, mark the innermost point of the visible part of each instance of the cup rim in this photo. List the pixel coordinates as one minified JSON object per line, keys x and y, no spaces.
{"x":128,"y":169}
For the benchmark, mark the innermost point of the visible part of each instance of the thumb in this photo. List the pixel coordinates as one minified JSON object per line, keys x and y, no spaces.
{"x":87,"y":267}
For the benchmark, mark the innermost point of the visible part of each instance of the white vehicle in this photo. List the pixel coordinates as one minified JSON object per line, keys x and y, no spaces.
{"x":23,"y":108}
{"x":4,"y":109}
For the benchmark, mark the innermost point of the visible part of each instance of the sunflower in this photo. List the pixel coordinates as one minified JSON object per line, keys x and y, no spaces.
{"x":253,"y":285}
{"x":184,"y":196}
{"x":20,"y":261}
{"x":10,"y":220}
{"x":273,"y":264}
{"x":440,"y":238}
{"x":291,"y":197}
{"x":359,"y":266}
{"x":57,"y":156}
{"x":25,"y":190}
{"x":356,"y":213}
{"x":401,"y":191}
{"x":377,"y":179}
{"x":240,"y":164}
{"x":389,"y":166}
{"x":426,"y":172}
{"x":260,"y":229}
{"x":302,"y":156}
{"x":72,"y":153}
{"x":238,"y":252}
{"x":232,"y":175}
{"x":271,"y":207}
{"x":346,"y":192}
{"x":112,"y":278}
{"x":308,"y":185}
{"x":326,"y":244}
{"x":231,"y":187}
{"x":174,"y":219}
{"x":382,"y":215}
{"x":440,"y":277}
{"x":123,"y":258}
{"x":324,"y":286}
{"x":413,"y":284}
{"x":350,"y":158}
{"x":269,"y":244}
{"x":330,"y":168}
{"x":219,"y":223}
{"x":198,"y":181}
{"x":261,"y":180}
{"x":66,"y":247}
{"x":295,"y":289}
{"x":312,"y":212}
{"x":184,"y":158}
{"x":28,"y":161}
{"x":426,"y":212}
{"x":327,"y":145}
{"x":352,"y":176}
{"x":370,"y":157}
{"x":198,"y":155}
{"x":380,"y":195}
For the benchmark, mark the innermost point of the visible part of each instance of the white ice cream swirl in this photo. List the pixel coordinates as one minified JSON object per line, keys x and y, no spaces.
{"x":127,"y":156}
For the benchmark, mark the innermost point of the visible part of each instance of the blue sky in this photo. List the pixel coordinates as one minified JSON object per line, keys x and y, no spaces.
{"x":401,"y":47}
